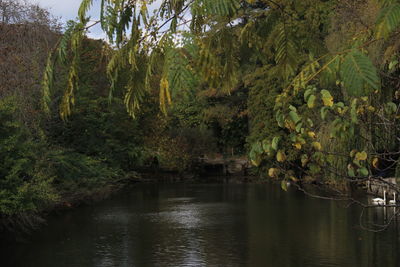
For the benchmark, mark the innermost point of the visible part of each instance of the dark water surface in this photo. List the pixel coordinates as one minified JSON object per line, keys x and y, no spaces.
{"x":209,"y":225}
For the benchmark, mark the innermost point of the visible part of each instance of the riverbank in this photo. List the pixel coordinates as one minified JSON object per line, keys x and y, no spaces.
{"x":17,"y":227}
{"x":14,"y":228}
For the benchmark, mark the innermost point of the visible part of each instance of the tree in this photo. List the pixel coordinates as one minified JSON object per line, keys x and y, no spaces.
{"x":28,"y":32}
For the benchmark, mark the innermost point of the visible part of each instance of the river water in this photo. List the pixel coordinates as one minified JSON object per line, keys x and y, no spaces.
{"x":209,"y":225}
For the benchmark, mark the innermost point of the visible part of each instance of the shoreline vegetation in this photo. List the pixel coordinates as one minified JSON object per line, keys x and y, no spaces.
{"x":295,"y":92}
{"x":17,"y":229}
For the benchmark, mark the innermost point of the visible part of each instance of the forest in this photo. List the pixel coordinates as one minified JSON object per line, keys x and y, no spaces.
{"x":307,"y":90}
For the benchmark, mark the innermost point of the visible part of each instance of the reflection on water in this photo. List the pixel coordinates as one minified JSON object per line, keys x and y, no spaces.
{"x":209,"y":225}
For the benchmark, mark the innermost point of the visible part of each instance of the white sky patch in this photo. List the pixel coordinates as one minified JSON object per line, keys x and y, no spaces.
{"x":68,"y":10}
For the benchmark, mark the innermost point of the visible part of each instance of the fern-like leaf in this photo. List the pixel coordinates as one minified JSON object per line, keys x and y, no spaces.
{"x":68,"y":99}
{"x":210,"y":8}
{"x":136,"y":88}
{"x":209,"y":65}
{"x":133,"y":97}
{"x":285,"y":54}
{"x":358,"y":73}
{"x":386,"y":3}
{"x":102,"y":10}
{"x":179,"y":75}
{"x":47,"y":83}
{"x":388,"y":20}
{"x":84,"y":8}
{"x":65,"y":41}
{"x":220,"y":7}
{"x":165,"y":95}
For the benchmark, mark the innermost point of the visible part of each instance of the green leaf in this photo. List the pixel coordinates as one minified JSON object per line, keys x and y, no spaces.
{"x":280,"y":119}
{"x":298,"y":127}
{"x":257,"y":148}
{"x":358,"y":72}
{"x":307,"y":93}
{"x":311,"y":101}
{"x":390,"y":108}
{"x":393,"y":64}
{"x":363,"y":171}
{"x":353,"y":111}
{"x":314,"y":168}
{"x":324,"y":112}
{"x":350,"y":172}
{"x":294,"y":117}
{"x":275,"y":143}
{"x":340,"y":104}
{"x":357,"y":163}
{"x":266,"y":146}
{"x":293,"y":137}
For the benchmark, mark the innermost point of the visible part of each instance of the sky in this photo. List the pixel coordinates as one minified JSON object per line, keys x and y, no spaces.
{"x":68,"y":9}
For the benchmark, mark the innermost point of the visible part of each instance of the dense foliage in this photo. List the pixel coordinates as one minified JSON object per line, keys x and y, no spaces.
{"x":46,"y":162}
{"x":315,"y":76}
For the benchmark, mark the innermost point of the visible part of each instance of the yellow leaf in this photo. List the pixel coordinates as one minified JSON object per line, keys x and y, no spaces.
{"x":280,"y":156}
{"x":164,"y":85}
{"x":273,"y":172}
{"x":290,"y":125}
{"x":361,"y":155}
{"x":327,"y":98}
{"x":316,"y":145}
{"x":311,"y":134}
{"x":255,"y":163}
{"x":297,"y":145}
{"x":375,"y":162}
{"x":328,"y":101}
